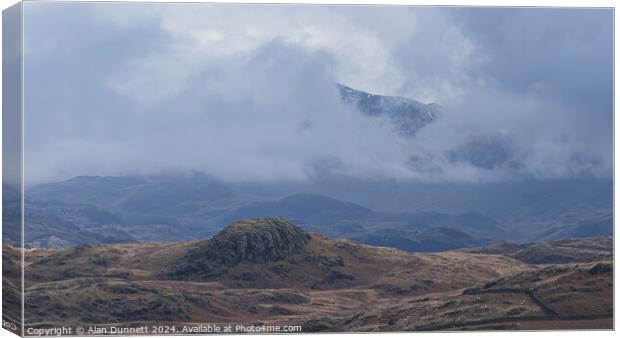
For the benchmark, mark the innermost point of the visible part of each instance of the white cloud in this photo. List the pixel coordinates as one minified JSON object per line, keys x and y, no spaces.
{"x":201,"y":35}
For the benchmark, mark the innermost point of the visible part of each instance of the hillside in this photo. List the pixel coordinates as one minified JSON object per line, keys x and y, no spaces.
{"x":271,"y":271}
{"x":555,"y":252}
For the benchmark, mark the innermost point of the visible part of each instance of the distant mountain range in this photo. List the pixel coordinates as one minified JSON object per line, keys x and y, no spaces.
{"x":91,"y":209}
{"x":57,"y":215}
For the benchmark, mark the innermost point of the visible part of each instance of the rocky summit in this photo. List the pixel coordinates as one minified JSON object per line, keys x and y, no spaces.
{"x":256,"y":240}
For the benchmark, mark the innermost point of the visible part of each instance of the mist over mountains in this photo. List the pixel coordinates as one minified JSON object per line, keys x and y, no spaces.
{"x":238,"y":132}
{"x":348,"y":133}
{"x":410,"y":214}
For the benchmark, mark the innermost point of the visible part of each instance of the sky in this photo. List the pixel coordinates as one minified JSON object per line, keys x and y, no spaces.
{"x":248,"y":92}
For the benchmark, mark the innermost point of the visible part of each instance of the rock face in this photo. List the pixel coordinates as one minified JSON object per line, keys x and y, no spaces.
{"x":256,"y":240}
{"x":408,"y":115}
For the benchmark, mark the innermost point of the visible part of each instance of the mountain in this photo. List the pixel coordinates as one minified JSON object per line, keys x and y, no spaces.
{"x":133,"y":194}
{"x":101,"y":191}
{"x":409,"y":116}
{"x":270,"y":271}
{"x":416,"y":231}
{"x":526,"y":209}
{"x":483,"y":150}
{"x":58,"y":224}
{"x":137,"y":199}
{"x":179,"y":208}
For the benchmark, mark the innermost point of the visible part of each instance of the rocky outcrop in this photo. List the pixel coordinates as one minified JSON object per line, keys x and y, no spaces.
{"x":256,"y":240}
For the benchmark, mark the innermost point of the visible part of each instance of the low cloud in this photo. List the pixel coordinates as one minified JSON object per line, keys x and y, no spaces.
{"x":248,"y":93}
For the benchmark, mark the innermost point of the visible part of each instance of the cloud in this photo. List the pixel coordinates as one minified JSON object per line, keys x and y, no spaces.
{"x":199,"y":35}
{"x":247,"y":92}
{"x":273,"y":113}
{"x":540,"y":79}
